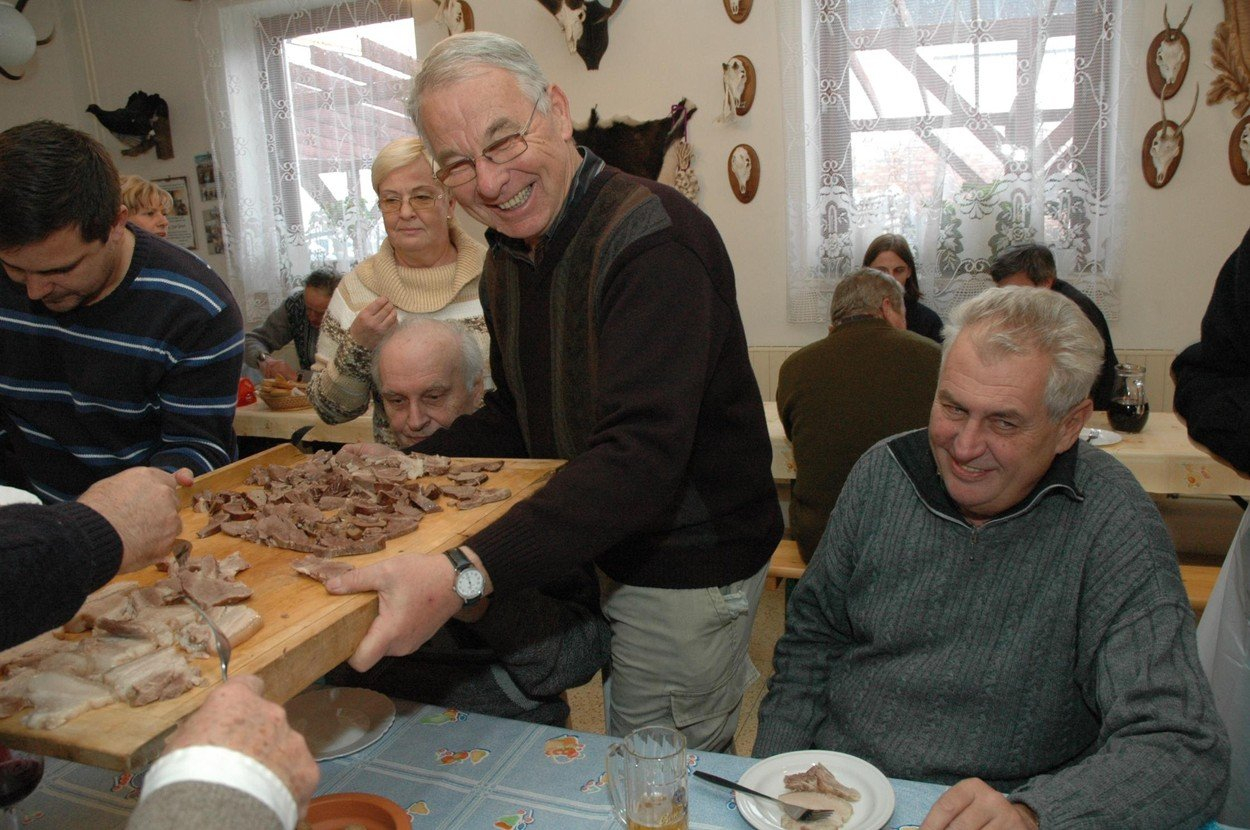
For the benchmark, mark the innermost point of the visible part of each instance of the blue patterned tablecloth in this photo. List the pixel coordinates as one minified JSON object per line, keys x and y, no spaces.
{"x":449,"y":768}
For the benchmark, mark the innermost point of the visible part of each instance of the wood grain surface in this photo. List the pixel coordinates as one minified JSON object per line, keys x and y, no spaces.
{"x":306,"y":631}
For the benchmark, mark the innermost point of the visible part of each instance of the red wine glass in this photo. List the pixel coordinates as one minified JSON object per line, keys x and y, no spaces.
{"x":20,"y":773}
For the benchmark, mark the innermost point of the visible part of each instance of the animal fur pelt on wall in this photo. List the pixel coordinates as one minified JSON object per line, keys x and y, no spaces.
{"x":635,"y":147}
{"x":1230,"y":57}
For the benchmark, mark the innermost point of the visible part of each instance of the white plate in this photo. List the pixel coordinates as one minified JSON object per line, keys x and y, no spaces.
{"x":1100,"y":437}
{"x":872,"y":811}
{"x":12,"y":495}
{"x":339,"y":721}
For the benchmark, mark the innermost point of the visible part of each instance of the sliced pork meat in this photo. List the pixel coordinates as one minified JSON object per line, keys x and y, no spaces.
{"x":237,"y":622}
{"x":322,"y":570}
{"x":31,"y":652}
{"x":475,"y":467}
{"x":210,"y":591}
{"x":233,"y":565}
{"x":818,"y":779}
{"x":160,"y":675}
{"x":470,"y":479}
{"x":484,"y":495}
{"x":58,"y":698}
{"x":104,"y":602}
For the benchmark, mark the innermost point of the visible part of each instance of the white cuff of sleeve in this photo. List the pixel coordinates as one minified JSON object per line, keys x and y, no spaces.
{"x":219,"y":765}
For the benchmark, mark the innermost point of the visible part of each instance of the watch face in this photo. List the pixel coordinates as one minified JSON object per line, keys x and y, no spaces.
{"x":469,"y":583}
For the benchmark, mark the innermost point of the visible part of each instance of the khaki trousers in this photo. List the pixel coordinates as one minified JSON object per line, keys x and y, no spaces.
{"x":679,"y":658}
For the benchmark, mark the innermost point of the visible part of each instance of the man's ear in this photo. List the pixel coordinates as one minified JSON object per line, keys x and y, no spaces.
{"x":560,"y":110}
{"x":119,"y":223}
{"x":1070,"y":427}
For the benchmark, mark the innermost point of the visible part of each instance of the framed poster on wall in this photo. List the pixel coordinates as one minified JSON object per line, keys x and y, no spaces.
{"x":181,"y":229}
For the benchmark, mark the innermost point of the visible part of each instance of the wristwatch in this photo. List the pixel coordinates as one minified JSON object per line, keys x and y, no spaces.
{"x":469,"y":582}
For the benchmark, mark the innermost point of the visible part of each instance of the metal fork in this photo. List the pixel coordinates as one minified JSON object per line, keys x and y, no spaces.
{"x":180,"y":550}
{"x":794,"y":811}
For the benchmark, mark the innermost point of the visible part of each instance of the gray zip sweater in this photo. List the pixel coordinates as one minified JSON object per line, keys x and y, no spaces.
{"x":1049,"y":651}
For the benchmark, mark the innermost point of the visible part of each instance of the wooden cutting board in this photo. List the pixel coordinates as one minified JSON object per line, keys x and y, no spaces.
{"x":306,"y":631}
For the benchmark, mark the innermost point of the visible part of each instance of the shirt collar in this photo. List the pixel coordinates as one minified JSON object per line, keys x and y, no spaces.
{"x":913,"y":454}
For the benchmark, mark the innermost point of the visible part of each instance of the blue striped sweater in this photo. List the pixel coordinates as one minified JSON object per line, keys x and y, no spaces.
{"x":147,"y":376}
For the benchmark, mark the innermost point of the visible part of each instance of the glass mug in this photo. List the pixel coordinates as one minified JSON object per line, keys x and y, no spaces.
{"x":1129,"y":408}
{"x":647,"y":779}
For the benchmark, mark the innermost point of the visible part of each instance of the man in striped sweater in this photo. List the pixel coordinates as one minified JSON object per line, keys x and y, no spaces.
{"x":118,"y":349}
{"x":997,"y":606}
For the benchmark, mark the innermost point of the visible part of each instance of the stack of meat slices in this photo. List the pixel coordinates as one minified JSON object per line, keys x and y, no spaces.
{"x":138,"y":646}
{"x":340,"y":504}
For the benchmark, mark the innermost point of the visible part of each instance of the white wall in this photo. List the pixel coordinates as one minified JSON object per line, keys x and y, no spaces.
{"x":1177,"y":237}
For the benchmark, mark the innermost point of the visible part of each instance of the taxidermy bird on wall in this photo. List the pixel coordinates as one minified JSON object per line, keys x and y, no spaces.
{"x":141,"y":125}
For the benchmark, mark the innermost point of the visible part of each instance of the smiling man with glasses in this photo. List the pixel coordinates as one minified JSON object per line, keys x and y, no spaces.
{"x":668,"y":489}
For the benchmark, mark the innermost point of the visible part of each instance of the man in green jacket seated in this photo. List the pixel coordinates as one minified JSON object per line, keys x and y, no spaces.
{"x":869,"y":379}
{"x":997,"y":606}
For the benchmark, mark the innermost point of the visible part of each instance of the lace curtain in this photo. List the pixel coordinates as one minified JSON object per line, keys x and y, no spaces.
{"x":301,"y":94}
{"x":964,"y":125}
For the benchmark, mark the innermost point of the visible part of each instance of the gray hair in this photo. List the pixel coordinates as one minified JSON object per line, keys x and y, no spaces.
{"x":1022,"y":321}
{"x":861,"y":292}
{"x":472,"y":362}
{"x":396,"y":154}
{"x":463,"y":56}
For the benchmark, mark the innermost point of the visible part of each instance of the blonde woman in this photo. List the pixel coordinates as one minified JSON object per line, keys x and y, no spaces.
{"x":427,"y":266}
{"x":148,"y":204}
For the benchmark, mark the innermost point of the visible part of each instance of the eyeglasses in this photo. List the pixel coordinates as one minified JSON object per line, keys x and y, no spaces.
{"x":419,"y":202}
{"x":500,"y":152}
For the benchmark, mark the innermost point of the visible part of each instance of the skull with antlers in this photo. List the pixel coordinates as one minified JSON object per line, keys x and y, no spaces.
{"x":1164,"y":144}
{"x":1170,"y":55}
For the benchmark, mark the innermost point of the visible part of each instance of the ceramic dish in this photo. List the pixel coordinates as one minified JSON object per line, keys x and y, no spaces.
{"x":872,"y":811}
{"x":340,"y":811}
{"x":339,"y":721}
{"x":1100,"y":437}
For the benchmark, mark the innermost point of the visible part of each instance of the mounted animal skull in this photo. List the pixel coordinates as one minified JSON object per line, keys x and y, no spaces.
{"x":451,"y":13}
{"x":735,"y":7}
{"x":740,"y":163}
{"x":1170,"y":51}
{"x":1165,"y":143}
{"x":734,"y":80}
{"x":1244,"y":145}
{"x":585,"y":26}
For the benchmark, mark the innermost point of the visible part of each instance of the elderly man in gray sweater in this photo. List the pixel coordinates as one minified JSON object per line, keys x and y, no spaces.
{"x":997,"y":605}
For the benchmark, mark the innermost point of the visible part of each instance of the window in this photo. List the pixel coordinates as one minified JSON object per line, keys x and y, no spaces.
{"x":964,"y":125}
{"x":302,"y":94}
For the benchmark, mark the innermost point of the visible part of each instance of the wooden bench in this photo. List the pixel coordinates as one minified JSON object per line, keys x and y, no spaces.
{"x":1197,"y":572}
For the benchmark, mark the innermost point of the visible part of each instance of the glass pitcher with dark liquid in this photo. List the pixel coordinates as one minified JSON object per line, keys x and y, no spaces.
{"x":1129,"y":409}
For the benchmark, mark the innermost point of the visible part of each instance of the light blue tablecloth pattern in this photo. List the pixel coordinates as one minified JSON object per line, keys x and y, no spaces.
{"x":454,"y":769}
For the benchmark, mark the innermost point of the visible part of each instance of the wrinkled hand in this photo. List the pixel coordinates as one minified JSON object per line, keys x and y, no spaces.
{"x":235,"y":716}
{"x":272,"y":367}
{"x":415,"y":598}
{"x":142,"y":506}
{"x":373,"y":321}
{"x":972,"y":804}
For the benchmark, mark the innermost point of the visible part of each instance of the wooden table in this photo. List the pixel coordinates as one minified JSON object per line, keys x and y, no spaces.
{"x":1161,"y":456}
{"x":259,"y":421}
{"x":306,"y":631}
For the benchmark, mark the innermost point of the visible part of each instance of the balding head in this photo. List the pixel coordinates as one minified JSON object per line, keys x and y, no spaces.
{"x":429,"y":373}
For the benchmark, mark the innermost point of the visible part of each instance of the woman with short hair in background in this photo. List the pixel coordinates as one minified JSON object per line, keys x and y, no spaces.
{"x":148,"y":204}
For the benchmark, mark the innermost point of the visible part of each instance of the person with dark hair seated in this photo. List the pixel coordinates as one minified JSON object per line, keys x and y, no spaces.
{"x":891,"y":254}
{"x":120,"y":349}
{"x":297,"y":320}
{"x":1034,"y":265}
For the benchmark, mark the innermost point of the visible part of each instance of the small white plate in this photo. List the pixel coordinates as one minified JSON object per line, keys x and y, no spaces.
{"x":1100,"y":437}
{"x":876,"y":796}
{"x":12,"y":495}
{"x":339,"y":721}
